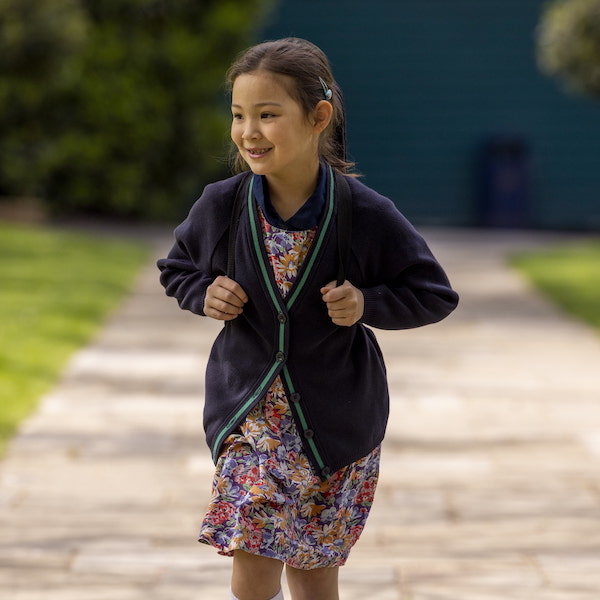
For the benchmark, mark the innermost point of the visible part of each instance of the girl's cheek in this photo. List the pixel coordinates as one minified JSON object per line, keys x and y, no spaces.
{"x":235,"y":133}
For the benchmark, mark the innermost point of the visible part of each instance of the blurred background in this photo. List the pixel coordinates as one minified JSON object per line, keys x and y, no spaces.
{"x":118,"y":109}
{"x":450,"y":114}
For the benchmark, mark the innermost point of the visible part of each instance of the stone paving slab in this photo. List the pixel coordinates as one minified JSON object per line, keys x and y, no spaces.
{"x":490,"y":481}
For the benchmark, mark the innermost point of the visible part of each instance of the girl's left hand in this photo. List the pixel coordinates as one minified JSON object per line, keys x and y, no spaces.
{"x":345,"y":304}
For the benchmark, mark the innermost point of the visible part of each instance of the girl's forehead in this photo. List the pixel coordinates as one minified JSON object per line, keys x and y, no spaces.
{"x":261,"y":87}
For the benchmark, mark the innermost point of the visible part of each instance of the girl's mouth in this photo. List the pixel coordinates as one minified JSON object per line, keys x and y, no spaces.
{"x":257,"y":152}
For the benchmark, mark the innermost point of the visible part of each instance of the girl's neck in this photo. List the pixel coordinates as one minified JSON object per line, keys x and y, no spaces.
{"x":288,"y":195}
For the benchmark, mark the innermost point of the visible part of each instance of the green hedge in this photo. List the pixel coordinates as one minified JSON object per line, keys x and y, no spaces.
{"x":117,"y":107}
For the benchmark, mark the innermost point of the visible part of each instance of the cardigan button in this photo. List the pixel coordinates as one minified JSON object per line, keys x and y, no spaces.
{"x":281,"y":318}
{"x":326,"y":471}
{"x":295,"y":397}
{"x":309,"y":433}
{"x":280,"y":357}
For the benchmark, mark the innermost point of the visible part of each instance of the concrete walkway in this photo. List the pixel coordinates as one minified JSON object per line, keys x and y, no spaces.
{"x":490,"y":483}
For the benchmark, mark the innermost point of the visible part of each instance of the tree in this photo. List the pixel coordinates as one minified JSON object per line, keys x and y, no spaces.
{"x":37,"y":42}
{"x":133,"y":121}
{"x":568,"y":44}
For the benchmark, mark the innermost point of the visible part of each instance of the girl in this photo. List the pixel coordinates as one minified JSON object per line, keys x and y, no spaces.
{"x":296,"y":393}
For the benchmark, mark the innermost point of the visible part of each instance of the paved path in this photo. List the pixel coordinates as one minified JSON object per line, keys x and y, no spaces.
{"x":490,"y":484}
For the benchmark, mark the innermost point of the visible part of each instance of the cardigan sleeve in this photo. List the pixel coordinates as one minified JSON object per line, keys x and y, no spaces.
{"x":414,"y":299}
{"x":404,"y":285}
{"x":183,"y":281}
{"x":199,"y":254}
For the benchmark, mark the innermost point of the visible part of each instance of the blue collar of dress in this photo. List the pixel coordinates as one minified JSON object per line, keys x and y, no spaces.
{"x":309,"y":214}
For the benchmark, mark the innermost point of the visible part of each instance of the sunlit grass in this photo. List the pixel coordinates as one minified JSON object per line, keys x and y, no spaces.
{"x":569,"y":275}
{"x":55,"y":289}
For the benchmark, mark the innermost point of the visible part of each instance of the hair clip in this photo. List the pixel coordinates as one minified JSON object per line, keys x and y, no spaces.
{"x":326,"y":91}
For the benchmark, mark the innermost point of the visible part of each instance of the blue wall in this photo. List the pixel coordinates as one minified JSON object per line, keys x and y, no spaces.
{"x":426,"y":81}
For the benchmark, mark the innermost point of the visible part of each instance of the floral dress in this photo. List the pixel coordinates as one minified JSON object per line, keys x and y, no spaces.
{"x":266,"y":498}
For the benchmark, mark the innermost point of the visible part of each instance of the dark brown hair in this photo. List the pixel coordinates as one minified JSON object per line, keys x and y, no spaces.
{"x":304,"y":63}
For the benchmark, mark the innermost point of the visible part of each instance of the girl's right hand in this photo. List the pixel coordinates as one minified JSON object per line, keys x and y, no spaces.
{"x":224,"y":299}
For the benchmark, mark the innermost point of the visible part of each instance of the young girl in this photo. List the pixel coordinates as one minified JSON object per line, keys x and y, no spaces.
{"x":296,"y":393}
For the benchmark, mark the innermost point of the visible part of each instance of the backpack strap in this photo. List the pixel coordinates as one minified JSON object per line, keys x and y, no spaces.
{"x":236,"y":213}
{"x":344,"y":224}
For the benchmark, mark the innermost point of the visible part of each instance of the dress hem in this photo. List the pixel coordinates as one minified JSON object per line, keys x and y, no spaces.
{"x":229,"y":550}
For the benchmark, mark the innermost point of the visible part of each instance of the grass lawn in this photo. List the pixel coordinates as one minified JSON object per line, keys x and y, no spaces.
{"x":55,"y":289}
{"x":569,"y":275}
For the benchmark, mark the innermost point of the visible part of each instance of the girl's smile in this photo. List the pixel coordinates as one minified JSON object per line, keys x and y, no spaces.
{"x":257,"y":153}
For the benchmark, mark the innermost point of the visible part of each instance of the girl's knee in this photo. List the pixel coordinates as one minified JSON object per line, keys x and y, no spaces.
{"x":313,"y":584}
{"x":255,"y":577}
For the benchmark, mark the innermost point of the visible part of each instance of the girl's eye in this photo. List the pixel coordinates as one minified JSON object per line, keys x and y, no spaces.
{"x":266,"y":115}
{"x":236,"y":116}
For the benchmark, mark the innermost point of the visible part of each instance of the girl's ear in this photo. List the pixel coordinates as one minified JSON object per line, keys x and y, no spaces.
{"x":322,"y":115}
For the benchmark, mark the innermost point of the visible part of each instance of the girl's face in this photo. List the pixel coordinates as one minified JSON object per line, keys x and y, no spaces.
{"x":270,"y":129}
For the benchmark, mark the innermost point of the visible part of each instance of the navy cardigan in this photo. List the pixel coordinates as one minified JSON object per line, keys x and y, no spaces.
{"x":334,"y":376}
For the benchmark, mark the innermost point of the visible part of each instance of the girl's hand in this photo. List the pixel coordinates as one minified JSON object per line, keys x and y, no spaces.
{"x":345,"y":304}
{"x":224,"y":299}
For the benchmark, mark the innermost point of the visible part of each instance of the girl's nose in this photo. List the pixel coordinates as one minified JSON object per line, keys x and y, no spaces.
{"x":251,"y":131}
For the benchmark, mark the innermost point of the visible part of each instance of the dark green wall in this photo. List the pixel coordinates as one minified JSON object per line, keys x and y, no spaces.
{"x":427,"y":80}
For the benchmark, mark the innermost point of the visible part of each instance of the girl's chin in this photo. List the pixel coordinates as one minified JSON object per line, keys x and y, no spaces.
{"x":258,"y":169}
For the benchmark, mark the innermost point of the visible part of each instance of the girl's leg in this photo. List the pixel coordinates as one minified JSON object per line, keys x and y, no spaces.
{"x":255,"y":577}
{"x":313,"y":584}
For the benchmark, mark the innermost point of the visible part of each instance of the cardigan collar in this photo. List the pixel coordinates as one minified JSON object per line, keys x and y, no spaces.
{"x":309,"y":214}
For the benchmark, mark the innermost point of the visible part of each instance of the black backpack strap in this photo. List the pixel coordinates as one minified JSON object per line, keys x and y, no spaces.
{"x":344,"y":224}
{"x":236,"y":213}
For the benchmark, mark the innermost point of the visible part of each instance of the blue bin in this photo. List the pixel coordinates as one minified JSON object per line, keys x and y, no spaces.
{"x":505,"y":183}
